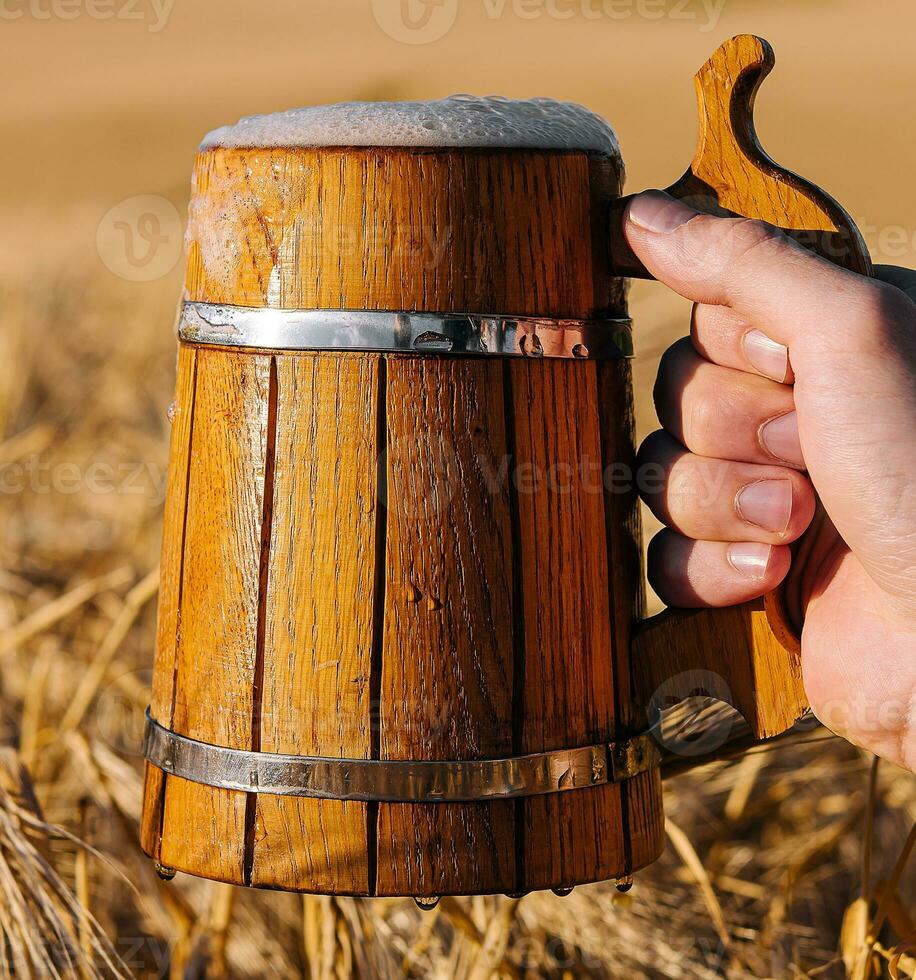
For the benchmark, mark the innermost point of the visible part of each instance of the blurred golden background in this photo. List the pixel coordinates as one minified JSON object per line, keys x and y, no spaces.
{"x":95,"y":110}
{"x":102,"y":104}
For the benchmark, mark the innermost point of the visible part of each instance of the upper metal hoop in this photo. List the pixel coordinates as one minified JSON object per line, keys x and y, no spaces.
{"x":396,"y":781}
{"x":402,"y":333}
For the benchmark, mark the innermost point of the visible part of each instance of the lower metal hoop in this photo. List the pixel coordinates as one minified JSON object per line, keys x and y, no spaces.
{"x":403,"y":333}
{"x":398,"y":781}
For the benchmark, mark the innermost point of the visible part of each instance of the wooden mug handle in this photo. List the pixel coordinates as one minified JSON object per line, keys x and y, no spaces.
{"x":752,"y":648}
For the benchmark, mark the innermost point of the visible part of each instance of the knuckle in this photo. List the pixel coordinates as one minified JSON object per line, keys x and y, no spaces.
{"x":750,"y":238}
{"x":750,"y":233}
{"x":876,"y":315}
{"x":695,"y":499}
{"x":700,"y":421}
{"x":682,"y":489}
{"x":707,"y":227}
{"x":713,"y":327}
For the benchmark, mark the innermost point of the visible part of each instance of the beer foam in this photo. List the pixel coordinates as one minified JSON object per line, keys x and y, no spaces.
{"x":458,"y":121}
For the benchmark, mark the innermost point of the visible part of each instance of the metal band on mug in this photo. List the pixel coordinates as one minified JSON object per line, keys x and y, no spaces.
{"x":403,"y":333}
{"x":396,"y":781}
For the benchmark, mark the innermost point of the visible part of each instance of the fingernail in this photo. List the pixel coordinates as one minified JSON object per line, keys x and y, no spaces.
{"x":766,"y":504}
{"x":766,"y":355}
{"x":655,"y":211}
{"x":749,"y":558}
{"x":779,"y":437}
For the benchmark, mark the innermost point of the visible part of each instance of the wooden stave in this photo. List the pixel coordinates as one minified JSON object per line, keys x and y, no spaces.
{"x":594,"y":827}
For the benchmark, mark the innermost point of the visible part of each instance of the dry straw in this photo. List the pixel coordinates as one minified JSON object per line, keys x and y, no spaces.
{"x":789,"y":862}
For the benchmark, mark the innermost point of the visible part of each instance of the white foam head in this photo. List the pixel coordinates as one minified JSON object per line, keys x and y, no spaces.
{"x":458,"y":121}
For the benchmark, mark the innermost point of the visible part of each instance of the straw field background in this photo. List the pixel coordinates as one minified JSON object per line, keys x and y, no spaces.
{"x":788,"y":863}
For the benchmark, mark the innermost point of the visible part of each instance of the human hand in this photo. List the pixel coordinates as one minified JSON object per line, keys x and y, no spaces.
{"x":798,"y":376}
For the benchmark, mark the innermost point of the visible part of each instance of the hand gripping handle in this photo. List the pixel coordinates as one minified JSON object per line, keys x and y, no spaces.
{"x":752,"y":651}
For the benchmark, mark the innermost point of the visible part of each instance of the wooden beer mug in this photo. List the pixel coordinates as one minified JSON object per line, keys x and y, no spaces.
{"x":395,"y":649}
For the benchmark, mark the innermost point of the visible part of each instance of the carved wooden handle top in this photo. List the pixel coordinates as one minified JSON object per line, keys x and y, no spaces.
{"x":731,"y":174}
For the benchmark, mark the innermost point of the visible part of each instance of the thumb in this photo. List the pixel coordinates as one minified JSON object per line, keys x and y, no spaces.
{"x":743,"y":264}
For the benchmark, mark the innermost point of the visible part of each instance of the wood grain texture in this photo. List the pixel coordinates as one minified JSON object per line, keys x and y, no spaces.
{"x":446,"y":683}
{"x":753,"y":671}
{"x":162,"y":697}
{"x":388,"y":229}
{"x":214,"y":698}
{"x":424,"y":607}
{"x":319,"y":622}
{"x":731,"y":173}
{"x":151,"y":815}
{"x":642,"y":811}
{"x":172,"y":558}
{"x":567,"y":688}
